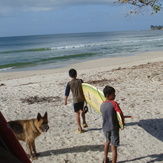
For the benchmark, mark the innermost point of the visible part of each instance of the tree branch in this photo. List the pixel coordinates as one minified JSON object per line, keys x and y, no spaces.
{"x":154,"y":4}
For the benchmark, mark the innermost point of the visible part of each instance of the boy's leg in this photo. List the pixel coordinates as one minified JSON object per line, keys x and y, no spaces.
{"x":106,"y":150}
{"x":115,"y":143}
{"x":78,"y":120}
{"x":83,"y":116}
{"x":114,"y":154}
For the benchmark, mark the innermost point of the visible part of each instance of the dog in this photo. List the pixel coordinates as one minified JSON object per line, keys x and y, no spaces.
{"x":29,"y":130}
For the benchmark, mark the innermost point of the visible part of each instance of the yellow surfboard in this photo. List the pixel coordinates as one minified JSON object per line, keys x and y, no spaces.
{"x":94,"y":97}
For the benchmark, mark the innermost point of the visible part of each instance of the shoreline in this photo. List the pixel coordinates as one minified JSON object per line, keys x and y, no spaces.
{"x":92,"y":64}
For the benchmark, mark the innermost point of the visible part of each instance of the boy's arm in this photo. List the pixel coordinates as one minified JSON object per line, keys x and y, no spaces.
{"x":118,"y":109}
{"x":67,"y":91}
{"x":66,"y":97}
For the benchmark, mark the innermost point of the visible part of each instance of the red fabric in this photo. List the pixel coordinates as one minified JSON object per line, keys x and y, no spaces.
{"x":11,"y":141}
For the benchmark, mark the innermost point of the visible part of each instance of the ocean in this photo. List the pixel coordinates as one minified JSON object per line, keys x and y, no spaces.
{"x":40,"y":52}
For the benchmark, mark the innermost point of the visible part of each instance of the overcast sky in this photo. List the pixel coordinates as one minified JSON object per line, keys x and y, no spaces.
{"x":35,"y":17}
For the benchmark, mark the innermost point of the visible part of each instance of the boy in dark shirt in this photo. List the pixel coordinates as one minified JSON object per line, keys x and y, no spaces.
{"x":75,"y":85}
{"x":110,"y":123}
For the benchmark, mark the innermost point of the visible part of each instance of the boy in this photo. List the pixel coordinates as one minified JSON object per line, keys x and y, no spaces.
{"x":110,"y":123}
{"x":75,"y":85}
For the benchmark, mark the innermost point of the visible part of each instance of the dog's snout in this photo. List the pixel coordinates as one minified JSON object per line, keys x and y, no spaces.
{"x":47,"y":128}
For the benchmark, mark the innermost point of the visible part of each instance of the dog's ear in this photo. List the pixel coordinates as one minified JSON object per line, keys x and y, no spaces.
{"x":46,"y":115}
{"x":39,"y":116}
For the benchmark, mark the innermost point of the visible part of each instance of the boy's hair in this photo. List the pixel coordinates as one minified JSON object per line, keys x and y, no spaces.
{"x":108,"y":90}
{"x":72,"y":73}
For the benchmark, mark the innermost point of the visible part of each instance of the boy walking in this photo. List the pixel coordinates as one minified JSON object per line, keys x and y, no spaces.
{"x":110,"y":123}
{"x":75,"y":85}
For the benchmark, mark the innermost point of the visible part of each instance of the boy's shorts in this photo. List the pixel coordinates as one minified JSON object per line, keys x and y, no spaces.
{"x":112,"y":136}
{"x":78,"y":106}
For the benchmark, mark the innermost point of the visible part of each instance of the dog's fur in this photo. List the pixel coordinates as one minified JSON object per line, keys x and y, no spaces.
{"x":29,"y":130}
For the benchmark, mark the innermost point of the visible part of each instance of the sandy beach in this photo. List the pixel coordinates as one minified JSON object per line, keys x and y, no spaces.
{"x":138,"y":81}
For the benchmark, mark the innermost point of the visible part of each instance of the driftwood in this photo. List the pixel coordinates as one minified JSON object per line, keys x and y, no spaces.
{"x":36,"y":99}
{"x":2,"y":84}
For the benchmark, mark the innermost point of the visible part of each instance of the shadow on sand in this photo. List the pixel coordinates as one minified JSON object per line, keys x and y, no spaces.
{"x":154,"y":158}
{"x":152,"y":126}
{"x":79,"y":149}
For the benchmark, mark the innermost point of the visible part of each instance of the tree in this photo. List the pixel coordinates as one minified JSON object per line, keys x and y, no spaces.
{"x":140,"y":4}
{"x":160,"y":27}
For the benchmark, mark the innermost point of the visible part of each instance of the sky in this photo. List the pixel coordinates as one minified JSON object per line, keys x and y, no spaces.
{"x":38,"y":17}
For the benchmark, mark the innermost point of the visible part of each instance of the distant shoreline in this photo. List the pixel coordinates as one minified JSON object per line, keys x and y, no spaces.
{"x":45,"y":52}
{"x":113,"y":62}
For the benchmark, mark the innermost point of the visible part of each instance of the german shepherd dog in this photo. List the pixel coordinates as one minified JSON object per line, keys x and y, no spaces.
{"x":29,"y":130}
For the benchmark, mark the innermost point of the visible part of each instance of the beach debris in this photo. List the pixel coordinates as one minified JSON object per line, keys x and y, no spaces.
{"x":123,"y":99}
{"x":101,"y":82}
{"x":37,"y":99}
{"x":97,"y":81}
{"x":29,"y":83}
{"x":2,"y":84}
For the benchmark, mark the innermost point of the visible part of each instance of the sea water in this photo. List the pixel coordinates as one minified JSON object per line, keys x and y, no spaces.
{"x":58,"y":50}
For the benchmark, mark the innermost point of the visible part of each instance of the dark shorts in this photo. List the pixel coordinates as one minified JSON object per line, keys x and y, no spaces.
{"x":112,"y":136}
{"x":78,"y":106}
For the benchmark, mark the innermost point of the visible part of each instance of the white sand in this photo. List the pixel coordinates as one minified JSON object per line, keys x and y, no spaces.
{"x":139,"y":84}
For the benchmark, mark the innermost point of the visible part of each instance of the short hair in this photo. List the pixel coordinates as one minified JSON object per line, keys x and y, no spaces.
{"x":72,"y":73}
{"x":108,"y":90}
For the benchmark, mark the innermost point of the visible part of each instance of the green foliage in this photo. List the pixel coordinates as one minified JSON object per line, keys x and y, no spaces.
{"x":155,"y":5}
{"x":157,"y":8}
{"x":160,"y":27}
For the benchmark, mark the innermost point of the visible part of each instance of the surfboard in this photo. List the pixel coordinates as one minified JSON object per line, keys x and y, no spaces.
{"x":94,"y":97}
